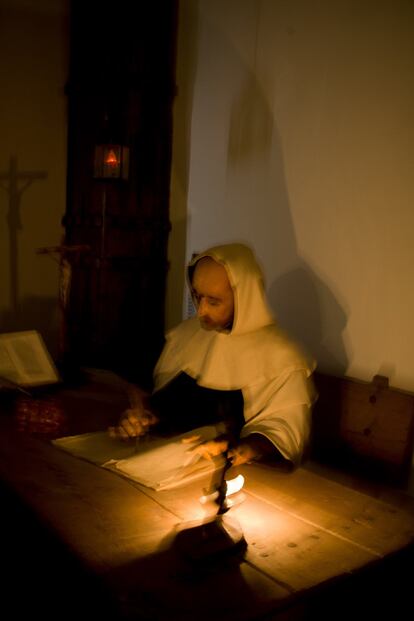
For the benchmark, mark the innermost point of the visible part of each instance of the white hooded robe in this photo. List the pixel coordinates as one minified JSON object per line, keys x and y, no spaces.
{"x":254,"y":356}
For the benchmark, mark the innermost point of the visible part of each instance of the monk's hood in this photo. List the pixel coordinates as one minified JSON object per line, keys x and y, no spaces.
{"x":252,"y":350}
{"x":251,"y":311}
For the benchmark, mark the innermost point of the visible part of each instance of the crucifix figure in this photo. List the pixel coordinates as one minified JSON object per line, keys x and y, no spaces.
{"x":15,"y":183}
{"x":63,"y":255}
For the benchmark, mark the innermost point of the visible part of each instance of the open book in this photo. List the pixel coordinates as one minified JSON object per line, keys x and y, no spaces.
{"x":157,"y":463}
{"x":25,"y":361}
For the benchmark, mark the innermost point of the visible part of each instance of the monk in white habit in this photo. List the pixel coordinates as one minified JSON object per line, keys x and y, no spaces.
{"x":230,"y":366}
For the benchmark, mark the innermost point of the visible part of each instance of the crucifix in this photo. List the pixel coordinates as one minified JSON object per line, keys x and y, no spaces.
{"x":15,"y":185}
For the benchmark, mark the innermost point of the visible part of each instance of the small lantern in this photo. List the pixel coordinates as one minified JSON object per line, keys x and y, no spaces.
{"x":111,"y":162}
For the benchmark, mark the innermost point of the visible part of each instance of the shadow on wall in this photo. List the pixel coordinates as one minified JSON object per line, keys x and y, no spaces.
{"x":307,"y":309}
{"x":244,"y":196}
{"x":15,"y":182}
{"x":35,"y":313}
{"x":304,"y":305}
{"x":251,"y":124}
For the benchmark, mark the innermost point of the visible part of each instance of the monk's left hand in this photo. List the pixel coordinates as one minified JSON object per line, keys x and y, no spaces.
{"x":211,"y":448}
{"x":241,"y":454}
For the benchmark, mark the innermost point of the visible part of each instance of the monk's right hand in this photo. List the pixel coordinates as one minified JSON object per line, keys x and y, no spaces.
{"x":134,"y":422}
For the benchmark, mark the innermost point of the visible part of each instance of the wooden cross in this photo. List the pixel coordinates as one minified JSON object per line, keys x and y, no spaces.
{"x":16,"y":184}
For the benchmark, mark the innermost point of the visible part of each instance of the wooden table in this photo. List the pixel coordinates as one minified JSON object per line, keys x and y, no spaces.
{"x":81,"y":540}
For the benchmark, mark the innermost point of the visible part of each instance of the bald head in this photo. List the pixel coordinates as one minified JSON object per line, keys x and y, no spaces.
{"x":213,"y":295}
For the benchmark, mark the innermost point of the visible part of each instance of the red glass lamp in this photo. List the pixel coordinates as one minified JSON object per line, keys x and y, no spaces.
{"x":111,"y":161}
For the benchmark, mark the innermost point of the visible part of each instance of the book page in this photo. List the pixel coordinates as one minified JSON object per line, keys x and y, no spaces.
{"x":171,"y":463}
{"x":25,"y":360}
{"x":8,"y":369}
{"x":97,"y":447}
{"x":158,"y":463}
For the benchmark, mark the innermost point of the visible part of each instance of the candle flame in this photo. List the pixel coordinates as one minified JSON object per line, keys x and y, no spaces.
{"x":233,"y":486}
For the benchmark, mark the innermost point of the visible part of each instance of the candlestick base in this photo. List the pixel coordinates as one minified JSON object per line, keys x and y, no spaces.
{"x":218,"y":537}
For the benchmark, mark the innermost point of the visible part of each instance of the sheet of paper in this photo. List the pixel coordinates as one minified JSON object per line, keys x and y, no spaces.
{"x":156,"y":463}
{"x":97,"y":447}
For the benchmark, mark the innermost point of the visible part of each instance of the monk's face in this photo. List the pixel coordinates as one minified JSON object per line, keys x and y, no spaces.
{"x":213,"y":295}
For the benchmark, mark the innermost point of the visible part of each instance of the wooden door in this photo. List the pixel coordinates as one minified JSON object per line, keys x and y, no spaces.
{"x":120,"y":90}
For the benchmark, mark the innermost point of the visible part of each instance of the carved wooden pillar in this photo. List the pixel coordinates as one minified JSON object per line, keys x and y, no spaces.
{"x":121,"y":88}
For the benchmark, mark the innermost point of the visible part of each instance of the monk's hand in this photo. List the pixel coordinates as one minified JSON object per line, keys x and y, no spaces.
{"x":134,"y":422}
{"x":211,"y":448}
{"x":243,"y":453}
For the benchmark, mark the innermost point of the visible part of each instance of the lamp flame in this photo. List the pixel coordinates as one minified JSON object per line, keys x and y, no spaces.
{"x":111,"y":159}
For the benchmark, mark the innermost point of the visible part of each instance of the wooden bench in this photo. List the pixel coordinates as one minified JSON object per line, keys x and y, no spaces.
{"x":364,"y":428}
